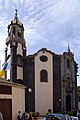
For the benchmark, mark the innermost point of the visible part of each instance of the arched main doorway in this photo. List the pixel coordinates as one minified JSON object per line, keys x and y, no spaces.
{"x":68,"y":103}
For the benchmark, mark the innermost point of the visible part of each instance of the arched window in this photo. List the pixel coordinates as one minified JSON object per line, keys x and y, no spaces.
{"x":19,"y":32}
{"x":43,"y":76}
{"x":19,"y":60}
{"x":14,"y":30}
{"x":68,"y":63}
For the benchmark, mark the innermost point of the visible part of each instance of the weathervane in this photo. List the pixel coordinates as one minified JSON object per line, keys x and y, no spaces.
{"x":16,"y":12}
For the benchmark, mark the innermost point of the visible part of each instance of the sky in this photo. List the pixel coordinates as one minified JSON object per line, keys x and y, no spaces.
{"x":50,"y":24}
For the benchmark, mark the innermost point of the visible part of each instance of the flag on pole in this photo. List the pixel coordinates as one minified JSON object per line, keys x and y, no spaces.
{"x":1,"y":73}
{"x":6,"y":66}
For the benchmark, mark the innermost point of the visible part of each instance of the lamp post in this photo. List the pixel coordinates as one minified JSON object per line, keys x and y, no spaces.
{"x":28,"y":99}
{"x":59,"y":104}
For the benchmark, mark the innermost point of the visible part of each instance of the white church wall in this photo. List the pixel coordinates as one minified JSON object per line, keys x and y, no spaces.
{"x":43,"y":90}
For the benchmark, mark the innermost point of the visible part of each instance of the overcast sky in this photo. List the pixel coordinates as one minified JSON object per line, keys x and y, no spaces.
{"x":48,"y":23}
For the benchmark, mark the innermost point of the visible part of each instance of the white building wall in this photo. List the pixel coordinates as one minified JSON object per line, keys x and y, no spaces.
{"x":18,"y":99}
{"x":43,"y":90}
{"x":20,"y":69}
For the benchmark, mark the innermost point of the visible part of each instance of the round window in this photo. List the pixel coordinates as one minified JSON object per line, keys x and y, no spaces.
{"x":43,"y":58}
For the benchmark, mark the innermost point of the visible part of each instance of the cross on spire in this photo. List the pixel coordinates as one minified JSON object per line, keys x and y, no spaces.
{"x":68,"y":48}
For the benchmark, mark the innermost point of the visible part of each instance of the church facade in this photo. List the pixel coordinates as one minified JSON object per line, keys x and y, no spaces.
{"x":50,"y":79}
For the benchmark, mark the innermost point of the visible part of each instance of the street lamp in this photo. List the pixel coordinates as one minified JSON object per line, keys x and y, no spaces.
{"x":59,"y":104}
{"x":59,"y":100}
{"x":29,"y":90}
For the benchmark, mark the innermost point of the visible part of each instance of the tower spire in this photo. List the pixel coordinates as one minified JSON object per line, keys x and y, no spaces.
{"x":16,"y":19}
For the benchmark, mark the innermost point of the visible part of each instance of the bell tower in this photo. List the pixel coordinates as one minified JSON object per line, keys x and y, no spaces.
{"x":16,"y":47}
